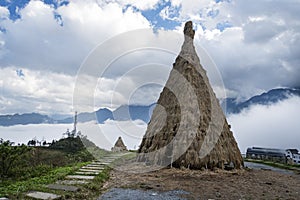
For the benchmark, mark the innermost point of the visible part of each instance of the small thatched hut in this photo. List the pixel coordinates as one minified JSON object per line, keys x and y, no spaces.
{"x":119,"y":146}
{"x":188,"y":127}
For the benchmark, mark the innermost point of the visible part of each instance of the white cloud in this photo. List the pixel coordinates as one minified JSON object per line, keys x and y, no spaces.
{"x":142,"y":5}
{"x":258,"y":39}
{"x":37,"y":40}
{"x":244,"y":55}
{"x":104,"y":135}
{"x":264,"y":39}
{"x":37,"y":91}
{"x":274,"y":126}
{"x":24,"y":133}
{"x":4,"y":13}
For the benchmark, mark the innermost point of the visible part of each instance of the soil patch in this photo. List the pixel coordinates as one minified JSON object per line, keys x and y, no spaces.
{"x":207,"y":184}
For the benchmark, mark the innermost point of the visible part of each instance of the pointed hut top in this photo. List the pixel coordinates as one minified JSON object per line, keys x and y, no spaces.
{"x":188,"y":30}
{"x":119,"y":146}
{"x":120,"y":143}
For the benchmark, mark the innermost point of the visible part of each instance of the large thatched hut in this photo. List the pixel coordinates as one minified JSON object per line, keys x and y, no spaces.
{"x":188,"y":127}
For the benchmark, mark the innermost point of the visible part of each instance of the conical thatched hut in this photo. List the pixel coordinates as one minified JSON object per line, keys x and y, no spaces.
{"x":119,"y":146}
{"x":188,"y":127}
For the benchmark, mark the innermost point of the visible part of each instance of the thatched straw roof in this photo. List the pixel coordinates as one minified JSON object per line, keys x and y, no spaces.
{"x":188,"y":127}
{"x":119,"y":145}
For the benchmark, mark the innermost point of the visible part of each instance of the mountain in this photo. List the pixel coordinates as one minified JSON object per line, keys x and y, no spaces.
{"x":134,"y":112}
{"x":122,"y":113}
{"x":23,"y":119}
{"x":100,"y":115}
{"x":267,"y":98}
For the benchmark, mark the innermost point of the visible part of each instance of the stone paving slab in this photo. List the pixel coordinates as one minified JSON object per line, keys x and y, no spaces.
{"x":90,"y":170}
{"x":107,"y":159}
{"x":63,"y":187}
{"x":43,"y":195}
{"x":80,"y":177}
{"x":86,"y":173}
{"x":104,"y":163}
{"x":100,"y":163}
{"x":112,"y":156}
{"x":72,"y":182}
{"x":3,"y":198}
{"x":95,"y":165}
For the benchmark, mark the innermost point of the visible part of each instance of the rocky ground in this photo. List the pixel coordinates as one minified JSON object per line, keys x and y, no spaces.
{"x":174,"y":183}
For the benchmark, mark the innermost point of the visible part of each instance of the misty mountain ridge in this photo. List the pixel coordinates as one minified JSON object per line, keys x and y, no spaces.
{"x":142,"y":112}
{"x":267,"y":98}
{"x":24,"y":119}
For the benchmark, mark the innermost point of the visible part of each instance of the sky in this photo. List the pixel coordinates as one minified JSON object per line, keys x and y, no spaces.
{"x":58,"y":56}
{"x":43,"y":45}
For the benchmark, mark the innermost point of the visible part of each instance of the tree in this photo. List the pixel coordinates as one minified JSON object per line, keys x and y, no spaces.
{"x":31,"y":143}
{"x":67,"y":133}
{"x":9,"y":154}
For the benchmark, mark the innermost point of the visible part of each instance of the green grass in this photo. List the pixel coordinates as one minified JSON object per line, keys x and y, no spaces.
{"x":34,"y":173}
{"x":91,"y":190}
{"x":14,"y":189}
{"x":274,"y":164}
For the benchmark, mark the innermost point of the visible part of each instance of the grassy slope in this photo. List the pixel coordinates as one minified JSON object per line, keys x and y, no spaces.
{"x":278,"y":165}
{"x":42,"y":166}
{"x":14,"y":188}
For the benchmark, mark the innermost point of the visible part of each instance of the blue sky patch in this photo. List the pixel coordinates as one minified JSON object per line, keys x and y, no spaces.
{"x":56,"y":4}
{"x":20,"y":73}
{"x":3,"y":30}
{"x":58,"y":18}
{"x":157,"y":21}
{"x":223,"y":25}
{"x":218,"y":1}
{"x":13,"y":7}
{"x":213,"y":13}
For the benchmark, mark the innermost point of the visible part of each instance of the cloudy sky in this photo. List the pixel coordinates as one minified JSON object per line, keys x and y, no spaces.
{"x":44,"y":44}
{"x":57,"y":56}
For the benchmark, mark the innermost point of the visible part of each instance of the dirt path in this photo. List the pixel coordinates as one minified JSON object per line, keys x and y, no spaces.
{"x":242,"y":184}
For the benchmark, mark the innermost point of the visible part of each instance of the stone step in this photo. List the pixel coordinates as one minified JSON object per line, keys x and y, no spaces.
{"x":113,"y":156}
{"x":42,"y":195}
{"x":63,"y":187}
{"x":72,"y":182}
{"x":100,"y":163}
{"x":110,"y":159}
{"x":3,"y":198}
{"x":90,"y":170}
{"x":104,"y":163}
{"x":95,"y":165}
{"x":80,"y":177}
{"x":86,"y":173}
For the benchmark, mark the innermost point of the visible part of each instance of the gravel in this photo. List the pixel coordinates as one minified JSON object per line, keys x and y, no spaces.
{"x":132,"y":194}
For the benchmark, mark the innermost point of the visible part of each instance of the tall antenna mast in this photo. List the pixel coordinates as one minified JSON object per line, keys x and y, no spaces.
{"x":75,"y":123}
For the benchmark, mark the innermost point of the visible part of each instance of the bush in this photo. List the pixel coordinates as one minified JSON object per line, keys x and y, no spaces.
{"x":9,"y":156}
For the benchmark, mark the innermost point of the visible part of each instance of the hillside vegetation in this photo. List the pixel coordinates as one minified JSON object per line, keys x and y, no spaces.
{"x":23,"y":166}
